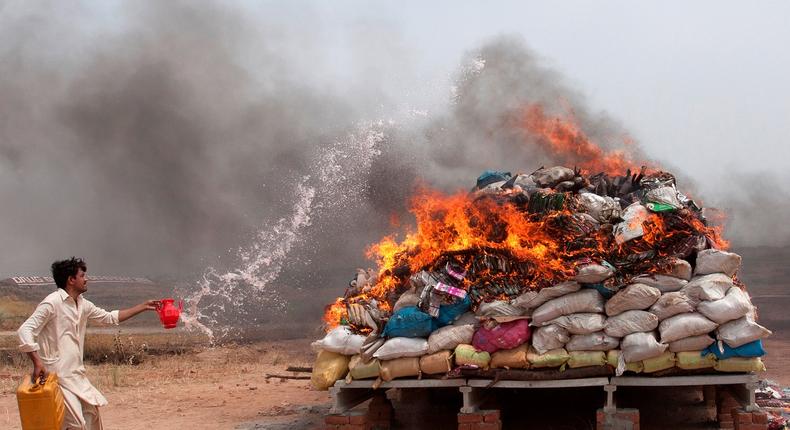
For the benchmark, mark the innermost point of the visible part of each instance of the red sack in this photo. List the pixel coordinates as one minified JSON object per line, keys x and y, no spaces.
{"x":504,"y":336}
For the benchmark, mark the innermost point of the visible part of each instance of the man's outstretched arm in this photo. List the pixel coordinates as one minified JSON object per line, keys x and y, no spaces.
{"x":125,"y":314}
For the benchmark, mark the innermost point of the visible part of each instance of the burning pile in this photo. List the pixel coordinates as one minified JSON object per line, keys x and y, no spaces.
{"x":551,"y":269}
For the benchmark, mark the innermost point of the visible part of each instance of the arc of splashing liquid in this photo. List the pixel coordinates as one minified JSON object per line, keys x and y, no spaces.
{"x":337,"y":168}
{"x":261,"y":262}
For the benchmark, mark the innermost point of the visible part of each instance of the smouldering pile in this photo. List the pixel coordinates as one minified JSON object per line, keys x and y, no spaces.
{"x":545,"y":270}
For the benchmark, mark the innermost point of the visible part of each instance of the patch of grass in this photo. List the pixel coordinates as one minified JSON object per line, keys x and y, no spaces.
{"x":14,"y":311}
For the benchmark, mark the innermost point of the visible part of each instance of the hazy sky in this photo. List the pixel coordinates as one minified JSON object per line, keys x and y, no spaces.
{"x":701,"y":86}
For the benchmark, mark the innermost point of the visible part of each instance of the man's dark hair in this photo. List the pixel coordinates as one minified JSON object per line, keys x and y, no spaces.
{"x":61,"y":270}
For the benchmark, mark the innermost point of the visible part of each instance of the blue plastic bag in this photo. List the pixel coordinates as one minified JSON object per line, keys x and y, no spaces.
{"x":490,"y":176}
{"x":451,"y":312}
{"x":409,"y":322}
{"x":751,"y":349}
{"x":605,"y":292}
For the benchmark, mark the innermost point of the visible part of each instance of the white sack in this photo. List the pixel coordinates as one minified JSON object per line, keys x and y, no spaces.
{"x":678,"y":268}
{"x":593,"y":274}
{"x":449,"y":337}
{"x":587,"y":300}
{"x":581,"y":323}
{"x":692,"y":343}
{"x":716,"y":261}
{"x":671,"y":304}
{"x":634,"y":296}
{"x":467,"y":318}
{"x":641,"y":346}
{"x":549,"y":337}
{"x":406,"y":299}
{"x":340,"y":340}
{"x":684,"y":325}
{"x":708,"y":287}
{"x":551,"y":176}
{"x":398,"y":347}
{"x":664,"y":283}
{"x":498,"y":308}
{"x":630,"y":322}
{"x":592,"y":342}
{"x":533,"y":299}
{"x":741,"y":331}
{"x":733,"y":306}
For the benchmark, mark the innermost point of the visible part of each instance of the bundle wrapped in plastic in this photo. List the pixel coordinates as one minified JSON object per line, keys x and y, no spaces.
{"x":502,"y":336}
{"x":340,"y":340}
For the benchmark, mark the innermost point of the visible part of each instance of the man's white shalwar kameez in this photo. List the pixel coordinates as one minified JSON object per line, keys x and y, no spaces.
{"x":57,"y":331}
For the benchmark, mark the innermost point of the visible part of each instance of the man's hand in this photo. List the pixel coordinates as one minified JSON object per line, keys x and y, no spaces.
{"x":151,"y":305}
{"x":39,"y":370}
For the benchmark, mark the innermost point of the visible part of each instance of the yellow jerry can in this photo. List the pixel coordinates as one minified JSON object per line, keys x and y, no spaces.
{"x":40,"y":406}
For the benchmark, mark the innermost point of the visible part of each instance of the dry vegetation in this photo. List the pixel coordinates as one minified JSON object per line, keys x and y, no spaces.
{"x":199,"y":387}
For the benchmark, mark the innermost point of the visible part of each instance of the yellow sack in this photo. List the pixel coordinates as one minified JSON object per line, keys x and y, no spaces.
{"x":613,"y":355}
{"x":515,"y":358}
{"x":552,"y":358}
{"x":400,"y":367}
{"x":328,"y":368}
{"x":694,"y":360}
{"x":586,"y":358}
{"x":359,"y":370}
{"x":438,"y":362}
{"x":466,"y":354}
{"x":740,"y":364}
{"x":662,"y":362}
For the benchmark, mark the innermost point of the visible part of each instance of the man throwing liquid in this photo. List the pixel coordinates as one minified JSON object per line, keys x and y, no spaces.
{"x":54,"y":339}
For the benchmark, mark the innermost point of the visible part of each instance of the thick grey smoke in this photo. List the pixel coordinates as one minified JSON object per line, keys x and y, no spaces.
{"x":154,"y":149}
{"x":177,"y":133}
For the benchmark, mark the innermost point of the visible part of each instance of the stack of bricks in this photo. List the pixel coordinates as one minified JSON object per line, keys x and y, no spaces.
{"x":380,"y":413}
{"x":353,"y":420}
{"x":378,"y":416}
{"x":732,"y":416}
{"x":621,"y":419}
{"x":480,"y":420}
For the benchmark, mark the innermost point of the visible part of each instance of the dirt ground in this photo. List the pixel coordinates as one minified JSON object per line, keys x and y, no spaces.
{"x":226,"y":388}
{"x":219,"y":388}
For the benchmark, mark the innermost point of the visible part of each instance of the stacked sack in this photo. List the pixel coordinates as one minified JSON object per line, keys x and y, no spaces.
{"x":656,"y":322}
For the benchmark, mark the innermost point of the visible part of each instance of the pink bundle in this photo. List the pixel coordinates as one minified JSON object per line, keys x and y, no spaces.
{"x":504,"y":336}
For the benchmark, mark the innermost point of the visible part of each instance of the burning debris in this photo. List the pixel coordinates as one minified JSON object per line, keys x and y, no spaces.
{"x":557,"y":268}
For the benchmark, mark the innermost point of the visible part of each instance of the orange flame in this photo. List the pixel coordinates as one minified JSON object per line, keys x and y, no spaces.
{"x":564,"y":139}
{"x":549,"y":244}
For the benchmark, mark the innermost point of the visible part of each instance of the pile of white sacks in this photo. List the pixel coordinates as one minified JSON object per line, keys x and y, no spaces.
{"x":657,"y":322}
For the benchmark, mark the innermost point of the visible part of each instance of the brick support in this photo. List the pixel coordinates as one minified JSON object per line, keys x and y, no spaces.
{"x":480,"y":420}
{"x":378,"y":416}
{"x":620,"y":419}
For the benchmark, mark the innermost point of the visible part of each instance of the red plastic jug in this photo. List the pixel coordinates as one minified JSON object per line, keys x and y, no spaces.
{"x":169,"y":313}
